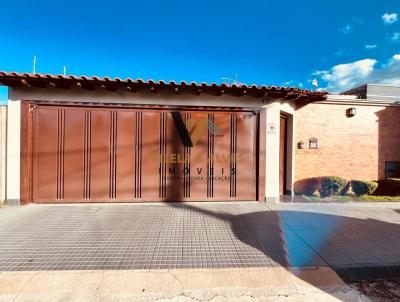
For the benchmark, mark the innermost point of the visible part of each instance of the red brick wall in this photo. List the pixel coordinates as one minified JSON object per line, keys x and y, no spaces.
{"x":354,"y":148}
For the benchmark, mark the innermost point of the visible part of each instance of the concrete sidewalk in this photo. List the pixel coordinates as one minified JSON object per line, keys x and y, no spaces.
{"x":243,"y":251}
{"x":359,"y":241}
{"x":246,"y":284}
{"x":199,"y":235}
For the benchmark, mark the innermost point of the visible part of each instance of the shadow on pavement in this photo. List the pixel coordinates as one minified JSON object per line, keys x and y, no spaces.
{"x":113,"y":237}
{"x":356,"y":248}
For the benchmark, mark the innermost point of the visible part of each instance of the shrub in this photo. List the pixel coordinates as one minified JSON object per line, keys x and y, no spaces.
{"x":379,"y":198}
{"x":389,"y":187}
{"x":308,"y":186}
{"x":331,"y":185}
{"x":360,"y":187}
{"x":346,"y":189}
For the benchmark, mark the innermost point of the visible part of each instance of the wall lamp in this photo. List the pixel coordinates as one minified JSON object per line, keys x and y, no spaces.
{"x":300,"y":145}
{"x":313,"y":143}
{"x":351,"y":112}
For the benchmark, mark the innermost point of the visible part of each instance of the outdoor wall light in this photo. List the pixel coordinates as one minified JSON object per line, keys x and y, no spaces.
{"x":351,"y":112}
{"x":313,"y":143}
{"x":300,"y":145}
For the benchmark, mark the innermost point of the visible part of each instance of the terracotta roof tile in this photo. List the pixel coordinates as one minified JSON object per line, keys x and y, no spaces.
{"x":13,"y":79}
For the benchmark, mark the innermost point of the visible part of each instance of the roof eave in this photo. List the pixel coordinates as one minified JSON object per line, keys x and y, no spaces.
{"x":17,"y":80}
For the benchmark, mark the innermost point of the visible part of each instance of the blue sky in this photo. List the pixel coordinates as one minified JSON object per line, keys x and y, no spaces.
{"x":342,"y":43}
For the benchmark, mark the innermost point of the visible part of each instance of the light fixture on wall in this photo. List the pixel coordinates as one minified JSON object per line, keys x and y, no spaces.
{"x":313,"y":143}
{"x":300,"y":145}
{"x":351,"y":112}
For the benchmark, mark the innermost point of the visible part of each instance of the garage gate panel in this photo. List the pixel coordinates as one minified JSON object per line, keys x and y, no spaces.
{"x":102,"y":154}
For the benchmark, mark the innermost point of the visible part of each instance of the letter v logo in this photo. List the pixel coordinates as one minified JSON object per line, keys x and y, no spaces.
{"x":196,"y":127}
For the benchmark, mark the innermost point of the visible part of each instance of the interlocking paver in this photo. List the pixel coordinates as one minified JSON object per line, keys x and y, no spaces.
{"x":196,"y":235}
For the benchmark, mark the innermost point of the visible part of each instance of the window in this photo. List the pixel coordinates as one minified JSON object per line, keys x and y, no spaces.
{"x":392,"y":169}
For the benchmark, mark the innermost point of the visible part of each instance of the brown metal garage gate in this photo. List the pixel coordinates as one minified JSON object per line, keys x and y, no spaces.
{"x":108,"y":154}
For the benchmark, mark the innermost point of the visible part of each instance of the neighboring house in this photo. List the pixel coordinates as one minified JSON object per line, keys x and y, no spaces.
{"x":90,"y":139}
{"x":358,"y":135}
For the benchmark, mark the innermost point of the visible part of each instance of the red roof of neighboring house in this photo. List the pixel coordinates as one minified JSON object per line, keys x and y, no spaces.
{"x":15,"y":80}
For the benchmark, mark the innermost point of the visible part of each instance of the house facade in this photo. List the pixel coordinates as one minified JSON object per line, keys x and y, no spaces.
{"x":90,"y":139}
{"x":363,"y":146}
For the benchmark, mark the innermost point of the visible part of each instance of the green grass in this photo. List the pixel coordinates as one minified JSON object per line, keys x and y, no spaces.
{"x":379,"y":198}
{"x":338,"y":198}
{"x":348,"y":198}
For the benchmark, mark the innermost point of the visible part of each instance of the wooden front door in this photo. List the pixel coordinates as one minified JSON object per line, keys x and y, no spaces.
{"x":283,"y":155}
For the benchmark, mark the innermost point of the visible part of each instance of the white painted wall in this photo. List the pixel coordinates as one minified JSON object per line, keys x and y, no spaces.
{"x":3,"y":142}
{"x":13,"y":152}
{"x":273,"y":110}
{"x":272,"y":150}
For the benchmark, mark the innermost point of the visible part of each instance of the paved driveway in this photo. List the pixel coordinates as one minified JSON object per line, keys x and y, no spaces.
{"x":196,"y":235}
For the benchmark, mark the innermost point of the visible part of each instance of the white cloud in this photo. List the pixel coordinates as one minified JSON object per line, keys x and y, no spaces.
{"x":395,"y":36}
{"x":301,"y":85}
{"x":347,"y":29}
{"x":345,"y":76}
{"x":396,"y":58}
{"x":389,"y":18}
{"x":371,"y":46}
